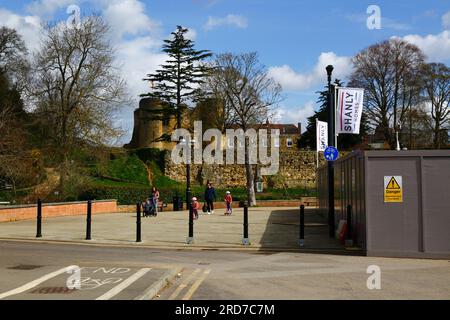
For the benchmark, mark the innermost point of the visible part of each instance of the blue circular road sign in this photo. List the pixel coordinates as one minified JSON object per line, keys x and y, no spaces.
{"x":331,"y":153}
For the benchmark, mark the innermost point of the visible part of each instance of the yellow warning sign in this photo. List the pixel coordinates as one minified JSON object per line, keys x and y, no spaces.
{"x":393,"y":189}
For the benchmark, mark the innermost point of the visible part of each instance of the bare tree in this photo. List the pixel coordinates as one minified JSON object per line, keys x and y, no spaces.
{"x":76,"y":86}
{"x":14,"y":63}
{"x":436,"y":85}
{"x":248,"y":94}
{"x":418,"y":133}
{"x":15,"y":164}
{"x":12,"y":50}
{"x":389,"y":73}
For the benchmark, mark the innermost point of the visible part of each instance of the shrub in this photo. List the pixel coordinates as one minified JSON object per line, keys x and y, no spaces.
{"x":127,"y":195}
{"x":151,"y":155}
{"x":125,"y":168}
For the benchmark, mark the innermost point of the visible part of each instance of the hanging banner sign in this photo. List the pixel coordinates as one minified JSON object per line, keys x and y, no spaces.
{"x":349,"y":110}
{"x":322,"y":135}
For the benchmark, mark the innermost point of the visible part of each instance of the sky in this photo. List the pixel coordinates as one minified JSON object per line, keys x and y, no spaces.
{"x":295,"y":39}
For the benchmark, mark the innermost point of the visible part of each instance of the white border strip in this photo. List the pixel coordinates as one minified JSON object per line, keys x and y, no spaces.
{"x":34,"y":283}
{"x":123,"y":285}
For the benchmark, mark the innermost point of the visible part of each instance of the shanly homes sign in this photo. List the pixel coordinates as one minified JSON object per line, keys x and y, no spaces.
{"x":349,"y":110}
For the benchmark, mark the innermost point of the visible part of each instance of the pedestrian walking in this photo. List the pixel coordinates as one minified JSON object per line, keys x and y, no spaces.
{"x":210,"y":197}
{"x":228,"y":201}
{"x":195,"y":207}
{"x":155,"y":198}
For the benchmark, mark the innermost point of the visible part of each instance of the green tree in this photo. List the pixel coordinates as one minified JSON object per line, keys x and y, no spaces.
{"x":179,"y":79}
{"x":345,"y":141}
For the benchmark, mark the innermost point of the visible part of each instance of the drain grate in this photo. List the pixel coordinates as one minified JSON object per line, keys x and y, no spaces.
{"x":25,"y":267}
{"x":53,"y":290}
{"x":204,"y":263}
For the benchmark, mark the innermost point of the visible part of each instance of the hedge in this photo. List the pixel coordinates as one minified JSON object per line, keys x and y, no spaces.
{"x":127,"y":195}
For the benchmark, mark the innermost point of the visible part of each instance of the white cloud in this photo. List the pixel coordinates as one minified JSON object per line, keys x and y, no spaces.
{"x":446,"y":20}
{"x":393,"y":24}
{"x":27,"y":26}
{"x":128,"y":17}
{"x":234,"y":20}
{"x":48,"y":7}
{"x":295,"y":115}
{"x":293,"y":81}
{"x":435,"y":46}
{"x":191,"y":34}
{"x":137,"y":55}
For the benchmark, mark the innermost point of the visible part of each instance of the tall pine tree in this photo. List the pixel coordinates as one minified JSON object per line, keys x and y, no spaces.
{"x":345,"y":141}
{"x":179,"y":79}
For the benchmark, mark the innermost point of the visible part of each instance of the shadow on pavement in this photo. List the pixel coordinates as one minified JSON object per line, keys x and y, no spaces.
{"x":283,"y":231}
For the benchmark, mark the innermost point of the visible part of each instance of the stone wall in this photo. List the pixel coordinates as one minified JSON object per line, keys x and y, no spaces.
{"x":297,"y":169}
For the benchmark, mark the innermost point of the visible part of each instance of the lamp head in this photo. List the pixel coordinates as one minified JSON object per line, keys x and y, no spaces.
{"x":329,"y":69}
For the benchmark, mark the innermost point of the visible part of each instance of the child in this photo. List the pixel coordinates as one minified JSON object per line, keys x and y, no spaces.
{"x":228,"y":201}
{"x":195,"y":207}
{"x":146,"y":206}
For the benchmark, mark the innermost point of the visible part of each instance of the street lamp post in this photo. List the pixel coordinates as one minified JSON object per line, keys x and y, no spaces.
{"x":189,"y":144}
{"x":331,"y":139}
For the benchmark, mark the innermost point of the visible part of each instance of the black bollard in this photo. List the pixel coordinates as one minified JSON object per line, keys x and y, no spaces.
{"x":190,"y":238}
{"x":245,"y":240}
{"x":302,"y":226}
{"x":88,"y":220}
{"x":348,"y":238}
{"x":138,"y":222}
{"x":39,"y":219}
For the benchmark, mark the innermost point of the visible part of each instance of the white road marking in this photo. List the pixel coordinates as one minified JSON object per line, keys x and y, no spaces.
{"x":34,"y":283}
{"x":124,"y":284}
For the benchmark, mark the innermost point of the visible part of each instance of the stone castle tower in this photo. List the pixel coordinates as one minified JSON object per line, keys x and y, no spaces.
{"x":147,"y":131}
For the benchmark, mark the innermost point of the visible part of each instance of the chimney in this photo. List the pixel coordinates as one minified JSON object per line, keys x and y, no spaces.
{"x":299,"y":128}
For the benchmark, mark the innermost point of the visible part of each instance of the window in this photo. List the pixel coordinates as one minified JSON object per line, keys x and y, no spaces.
{"x":289,"y":142}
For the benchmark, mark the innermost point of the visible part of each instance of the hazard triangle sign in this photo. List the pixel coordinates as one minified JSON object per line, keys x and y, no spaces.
{"x":393,"y":189}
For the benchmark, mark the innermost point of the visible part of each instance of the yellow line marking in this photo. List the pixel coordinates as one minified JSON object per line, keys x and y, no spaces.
{"x":196,"y":284}
{"x":183,"y":285}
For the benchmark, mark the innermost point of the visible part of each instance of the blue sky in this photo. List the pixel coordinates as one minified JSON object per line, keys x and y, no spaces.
{"x":294,"y":38}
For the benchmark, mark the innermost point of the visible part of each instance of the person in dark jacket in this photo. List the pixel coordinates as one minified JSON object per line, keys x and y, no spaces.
{"x":210,"y":196}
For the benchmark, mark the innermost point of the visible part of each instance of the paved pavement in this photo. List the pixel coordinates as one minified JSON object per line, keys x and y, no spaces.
{"x":269,"y":228}
{"x":216,"y":266}
{"x":138,"y":272}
